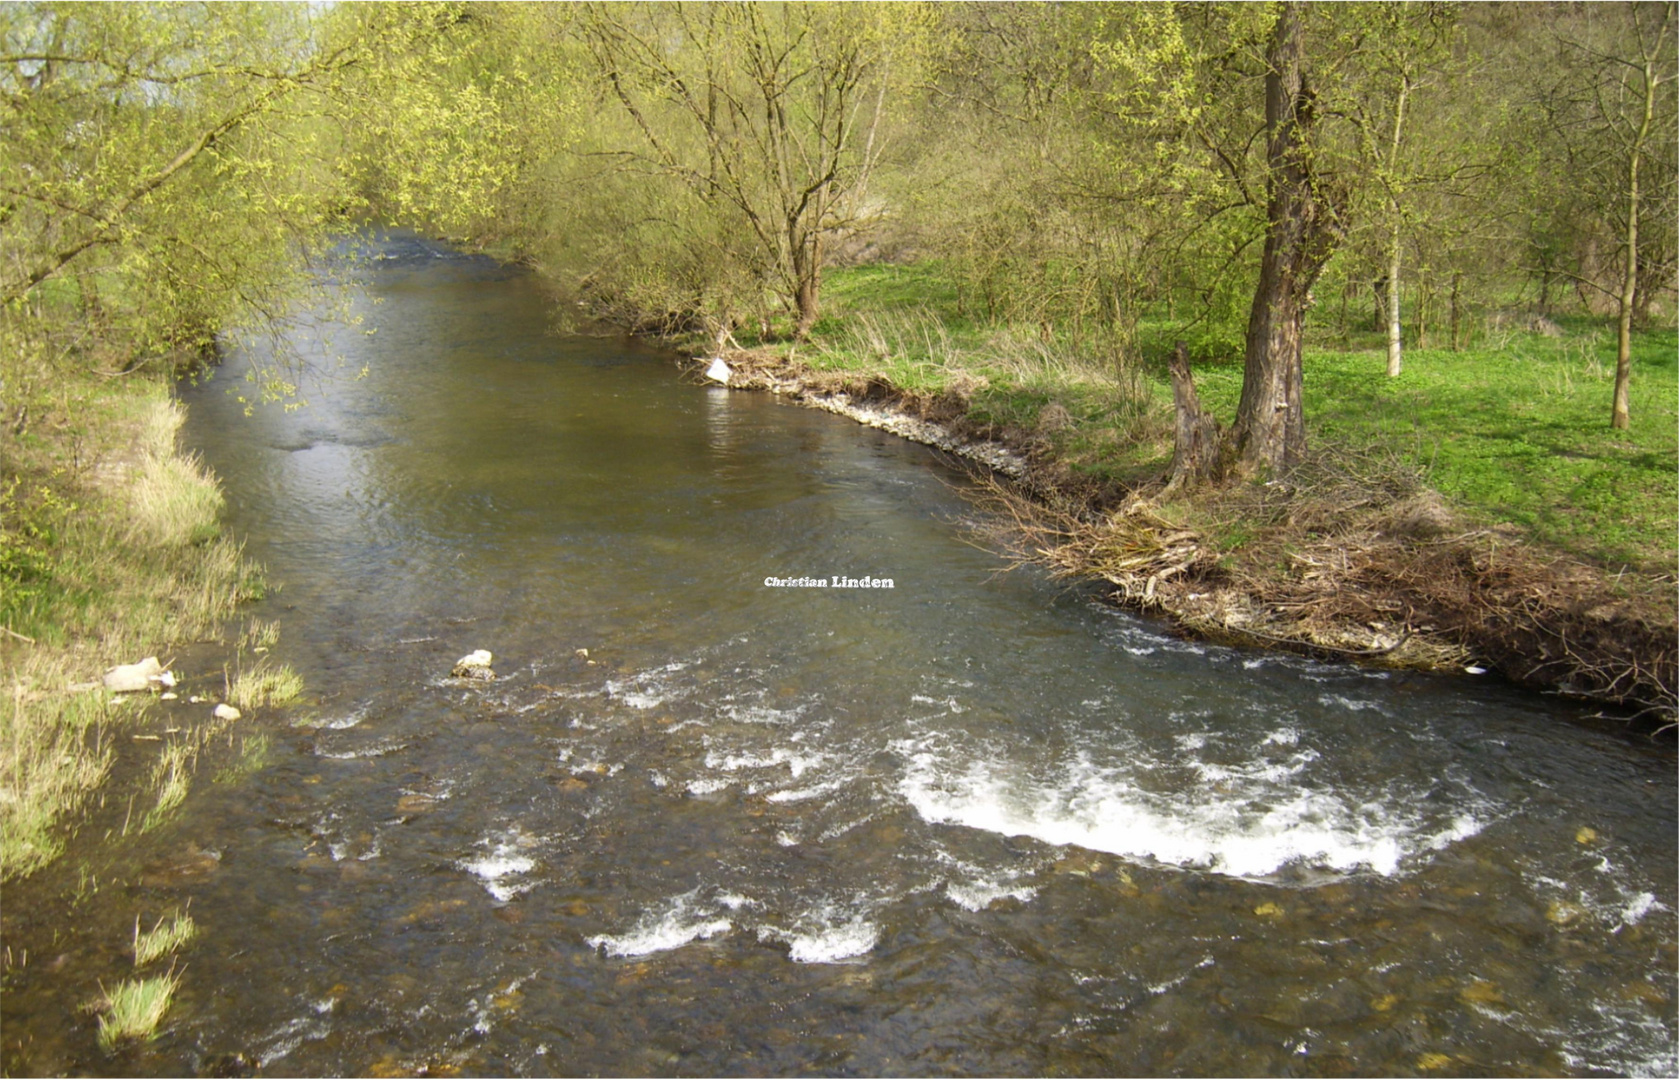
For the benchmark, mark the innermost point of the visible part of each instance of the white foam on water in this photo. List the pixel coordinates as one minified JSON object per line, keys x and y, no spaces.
{"x":1257,"y":821}
{"x":709,"y":786}
{"x":648,"y":689}
{"x":681,"y":920}
{"x":798,"y":762}
{"x":343,"y":723}
{"x":815,"y":791}
{"x":761,"y":714}
{"x":379,"y":749}
{"x":1641,"y":905}
{"x":1354,"y":704}
{"x":827,"y":941}
{"x":503,"y":862}
{"x":981,"y":894}
{"x":1626,"y":1041}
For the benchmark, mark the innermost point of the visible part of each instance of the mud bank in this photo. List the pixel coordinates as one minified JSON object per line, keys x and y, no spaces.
{"x":1337,"y":563}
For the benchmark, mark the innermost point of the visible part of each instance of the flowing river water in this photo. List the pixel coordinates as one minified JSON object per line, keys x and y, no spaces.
{"x":976,"y":823}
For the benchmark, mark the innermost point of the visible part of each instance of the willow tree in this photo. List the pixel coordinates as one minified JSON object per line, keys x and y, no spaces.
{"x":772,"y":115}
{"x":159,"y":161}
{"x":454,"y":121}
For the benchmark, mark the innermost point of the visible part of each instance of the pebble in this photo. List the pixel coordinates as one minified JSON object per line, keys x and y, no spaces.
{"x":225,"y":711}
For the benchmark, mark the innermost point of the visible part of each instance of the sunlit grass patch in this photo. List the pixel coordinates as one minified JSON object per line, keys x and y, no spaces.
{"x":172,"y":779}
{"x":1513,"y":428}
{"x":170,"y":933}
{"x":266,"y":684}
{"x":253,"y":755}
{"x":52,"y":755}
{"x":260,"y":635}
{"x":135,"y":1008}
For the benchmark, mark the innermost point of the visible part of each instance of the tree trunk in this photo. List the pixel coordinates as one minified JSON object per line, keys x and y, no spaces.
{"x":1620,"y":417}
{"x":1457,"y":289}
{"x":1270,"y":428}
{"x":1396,"y":350}
{"x":1195,"y":457}
{"x":807,"y":283}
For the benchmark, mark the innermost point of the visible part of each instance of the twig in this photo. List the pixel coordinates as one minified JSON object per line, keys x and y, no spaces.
{"x":20,"y":637}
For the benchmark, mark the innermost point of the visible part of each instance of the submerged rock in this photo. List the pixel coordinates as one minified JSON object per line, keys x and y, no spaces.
{"x":131,"y":678}
{"x":474,"y":665}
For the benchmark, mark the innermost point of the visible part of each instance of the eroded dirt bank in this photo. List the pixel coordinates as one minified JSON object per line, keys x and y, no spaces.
{"x":1339,"y":559}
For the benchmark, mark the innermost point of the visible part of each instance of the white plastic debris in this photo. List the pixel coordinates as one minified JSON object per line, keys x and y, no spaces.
{"x":1475,"y":669}
{"x":718,"y":371}
{"x":129,"y":678}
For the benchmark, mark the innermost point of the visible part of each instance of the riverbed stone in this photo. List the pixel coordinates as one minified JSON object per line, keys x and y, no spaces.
{"x":224,"y":711}
{"x":1564,"y":913}
{"x":474,"y":665}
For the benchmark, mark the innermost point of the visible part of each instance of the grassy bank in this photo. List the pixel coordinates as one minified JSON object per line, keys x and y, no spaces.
{"x":110,"y":551}
{"x":1512,"y":428}
{"x":1475,"y":510}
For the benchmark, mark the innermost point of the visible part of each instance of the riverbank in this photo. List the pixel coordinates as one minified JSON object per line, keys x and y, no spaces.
{"x":111,"y":551}
{"x":1356,"y":554}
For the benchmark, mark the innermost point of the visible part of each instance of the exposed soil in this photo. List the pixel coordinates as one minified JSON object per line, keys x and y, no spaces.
{"x":1348,"y":556}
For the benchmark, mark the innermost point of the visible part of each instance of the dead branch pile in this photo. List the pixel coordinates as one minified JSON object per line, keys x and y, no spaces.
{"x":1352,"y":556}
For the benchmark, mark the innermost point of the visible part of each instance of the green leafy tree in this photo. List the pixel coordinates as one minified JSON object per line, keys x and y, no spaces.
{"x":769,"y":118}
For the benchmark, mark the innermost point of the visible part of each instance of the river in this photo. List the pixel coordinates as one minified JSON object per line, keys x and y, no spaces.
{"x":974,"y":823}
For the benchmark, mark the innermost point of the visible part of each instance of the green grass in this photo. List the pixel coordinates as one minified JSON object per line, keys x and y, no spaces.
{"x":135,"y":1008}
{"x":1516,"y":434}
{"x":166,"y":937}
{"x":265,"y":684}
{"x":1514,"y":430}
{"x":109,"y":551}
{"x":253,"y":755}
{"x":172,"y":779}
{"x":53,"y":755}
